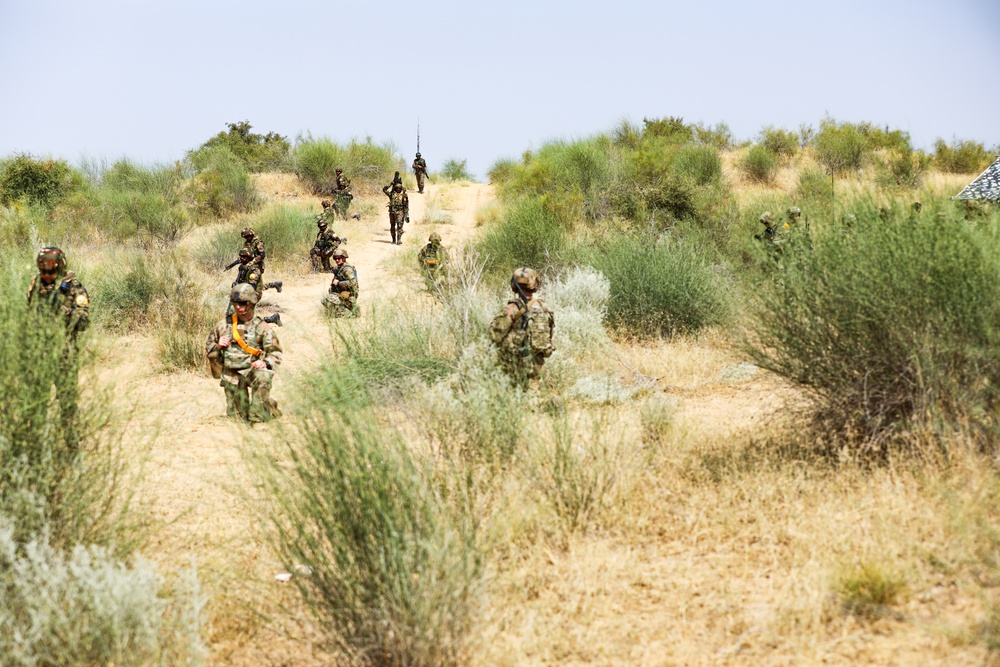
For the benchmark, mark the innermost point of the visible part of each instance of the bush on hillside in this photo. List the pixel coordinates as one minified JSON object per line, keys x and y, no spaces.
{"x":891,"y":326}
{"x":699,"y":164}
{"x":962,"y":157}
{"x":658,"y":288}
{"x":35,"y":181}
{"x":759,"y":164}
{"x":256,"y":152}
{"x":718,"y":136}
{"x":904,"y":169}
{"x":367,"y":164}
{"x":129,"y":200}
{"x":842,"y":147}
{"x":222,"y":186}
{"x":814,"y":184}
{"x":781,"y":142}
{"x":455,"y":170}
{"x":527,"y":234}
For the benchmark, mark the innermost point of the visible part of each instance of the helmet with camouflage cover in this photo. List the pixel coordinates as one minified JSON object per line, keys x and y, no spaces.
{"x":525,"y":278}
{"x":339,"y":252}
{"x":248,"y":233}
{"x":849,"y":219}
{"x":794,"y":212}
{"x":767,"y":218}
{"x":51,"y":260}
{"x":321,"y":221}
{"x":326,"y":203}
{"x":245,"y":255}
{"x":397,"y":186}
{"x":418,"y":154}
{"x":435,"y":239}
{"x":339,"y":170}
{"x":244,"y":293}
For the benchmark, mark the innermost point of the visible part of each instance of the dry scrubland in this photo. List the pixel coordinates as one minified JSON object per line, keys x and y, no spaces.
{"x":660,"y":500}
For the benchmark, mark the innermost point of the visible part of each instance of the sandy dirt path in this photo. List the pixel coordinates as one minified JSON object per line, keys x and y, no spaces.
{"x":196,"y":479}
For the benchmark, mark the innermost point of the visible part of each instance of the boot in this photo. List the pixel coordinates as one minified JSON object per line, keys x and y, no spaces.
{"x":276,"y":285}
{"x":356,"y":216}
{"x":274,"y":319}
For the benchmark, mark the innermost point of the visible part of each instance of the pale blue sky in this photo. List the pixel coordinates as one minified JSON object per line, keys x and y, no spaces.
{"x":106,"y":78}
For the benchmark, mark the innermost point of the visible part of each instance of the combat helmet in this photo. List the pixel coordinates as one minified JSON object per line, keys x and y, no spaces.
{"x":51,"y":260}
{"x":321,"y":221}
{"x":339,"y":252}
{"x":525,"y":279}
{"x":326,"y":203}
{"x":418,"y":154}
{"x":848,"y":219}
{"x":435,"y":239}
{"x":794,"y":212}
{"x":767,"y":218}
{"x":339,"y":170}
{"x":244,"y":293}
{"x":245,"y":255}
{"x":248,"y":233}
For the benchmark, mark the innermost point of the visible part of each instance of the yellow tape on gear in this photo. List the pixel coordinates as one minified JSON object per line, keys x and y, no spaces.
{"x":239,"y":340}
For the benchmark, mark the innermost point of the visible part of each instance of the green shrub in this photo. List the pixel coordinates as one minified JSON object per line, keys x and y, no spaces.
{"x":129,"y":200}
{"x":392,"y":568}
{"x":35,"y":181}
{"x":842,"y":147}
{"x":759,"y":164}
{"x":501,"y":171}
{"x":700,"y":164}
{"x":815,"y":184}
{"x":123,"y":290}
{"x":256,"y":152}
{"x":182,"y":318}
{"x":528,"y":234}
{"x":903,"y":169}
{"x":287,"y":233}
{"x":782,"y":143}
{"x":671,"y":128}
{"x":962,"y":157}
{"x":86,"y":607}
{"x":868,"y":590}
{"x":890,"y":327}
{"x":455,"y":170}
{"x":222,"y":186}
{"x":367,"y":164}
{"x":718,"y":136}
{"x":658,"y":288}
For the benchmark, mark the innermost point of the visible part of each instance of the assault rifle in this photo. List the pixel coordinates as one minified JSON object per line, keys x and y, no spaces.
{"x":235,"y":262}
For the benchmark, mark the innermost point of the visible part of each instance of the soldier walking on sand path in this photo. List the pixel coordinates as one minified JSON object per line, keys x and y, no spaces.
{"x":399,"y":209}
{"x":243,"y":351}
{"x":420,"y":170}
{"x":342,"y":192}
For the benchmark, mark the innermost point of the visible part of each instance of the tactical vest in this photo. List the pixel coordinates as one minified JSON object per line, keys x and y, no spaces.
{"x":396,"y":202}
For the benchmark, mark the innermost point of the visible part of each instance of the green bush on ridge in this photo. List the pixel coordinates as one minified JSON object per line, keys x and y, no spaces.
{"x":35,"y":181}
{"x":367,"y":164}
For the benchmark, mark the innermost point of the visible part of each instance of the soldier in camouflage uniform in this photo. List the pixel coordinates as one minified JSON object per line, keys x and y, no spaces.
{"x":342,"y":191}
{"x":770,"y":234}
{"x":248,"y":273}
{"x":56,"y":290}
{"x":326,"y":242}
{"x":420,"y":170}
{"x":243,"y":351}
{"x":342,"y":299}
{"x":794,"y":214}
{"x":523,"y":330}
{"x":255,"y":246}
{"x":399,"y":210}
{"x":432,"y":258}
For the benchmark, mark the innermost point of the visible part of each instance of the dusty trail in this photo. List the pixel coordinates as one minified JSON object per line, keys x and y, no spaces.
{"x":196,"y":479}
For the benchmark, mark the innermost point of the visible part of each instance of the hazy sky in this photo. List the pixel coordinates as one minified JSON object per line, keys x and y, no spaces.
{"x":106,"y":78}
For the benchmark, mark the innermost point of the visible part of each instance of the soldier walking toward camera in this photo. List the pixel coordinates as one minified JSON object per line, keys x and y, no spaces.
{"x":420,"y":170}
{"x":243,"y":351}
{"x":432,"y":258}
{"x":770,"y":234}
{"x":399,"y":209}
{"x":794,"y":214}
{"x":256,"y":247}
{"x":523,"y":330}
{"x":56,"y":290}
{"x":326,"y":243}
{"x":342,"y":299}
{"x":250,"y":274}
{"x":342,"y":192}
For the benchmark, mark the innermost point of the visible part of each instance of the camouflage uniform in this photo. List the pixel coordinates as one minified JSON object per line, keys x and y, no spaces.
{"x":420,"y":170}
{"x":248,"y":389}
{"x":326,"y":243}
{"x":343,"y":193}
{"x":255,"y":246}
{"x":342,"y":299}
{"x":523,"y":330}
{"x":65,"y":295}
{"x":770,"y":234}
{"x":399,"y":210}
{"x":432,"y":258}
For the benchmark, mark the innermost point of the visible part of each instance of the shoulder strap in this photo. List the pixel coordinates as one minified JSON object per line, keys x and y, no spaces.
{"x":239,"y":340}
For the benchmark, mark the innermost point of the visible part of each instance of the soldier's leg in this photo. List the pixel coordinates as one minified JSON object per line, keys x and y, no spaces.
{"x":315,"y":259}
{"x":237,"y":400}
{"x":420,"y":182}
{"x":261,"y":403}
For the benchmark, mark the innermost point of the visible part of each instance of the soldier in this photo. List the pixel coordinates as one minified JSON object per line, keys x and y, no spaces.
{"x":56,"y":290}
{"x":243,"y":352}
{"x":327,"y":209}
{"x":770,"y":233}
{"x":794,"y":214}
{"x":342,"y":190}
{"x":432,"y":257}
{"x":326,"y":242}
{"x":342,"y":299}
{"x":255,"y":246}
{"x":250,"y":274}
{"x":523,"y":330}
{"x":399,"y":210}
{"x":420,"y":170}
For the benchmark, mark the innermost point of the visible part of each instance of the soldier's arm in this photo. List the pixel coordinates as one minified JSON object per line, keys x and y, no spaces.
{"x":212,"y":343}
{"x":79,"y":318}
{"x":272,"y":348}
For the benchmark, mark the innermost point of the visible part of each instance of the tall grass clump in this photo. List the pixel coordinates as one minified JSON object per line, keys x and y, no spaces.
{"x":759,"y":164}
{"x":391,"y":568}
{"x":85,"y":607}
{"x":455,"y":170}
{"x":222,"y":185}
{"x":256,"y":152}
{"x":580,"y":295}
{"x":658,"y":287}
{"x":287,"y":233}
{"x":842,"y":147}
{"x":367,"y":164}
{"x":902,"y":169}
{"x":528,"y":234}
{"x":781,"y":142}
{"x":962,"y":157}
{"x":699,"y":163}
{"x":888,"y":329}
{"x":32,"y":180}
{"x":124,"y":288}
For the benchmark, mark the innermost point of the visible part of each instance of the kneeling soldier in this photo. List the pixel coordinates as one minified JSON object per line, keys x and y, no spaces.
{"x":250,"y":274}
{"x":523,"y":330}
{"x":326,"y":242}
{"x":243,"y":352}
{"x":342,"y":300}
{"x":432,"y":257}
